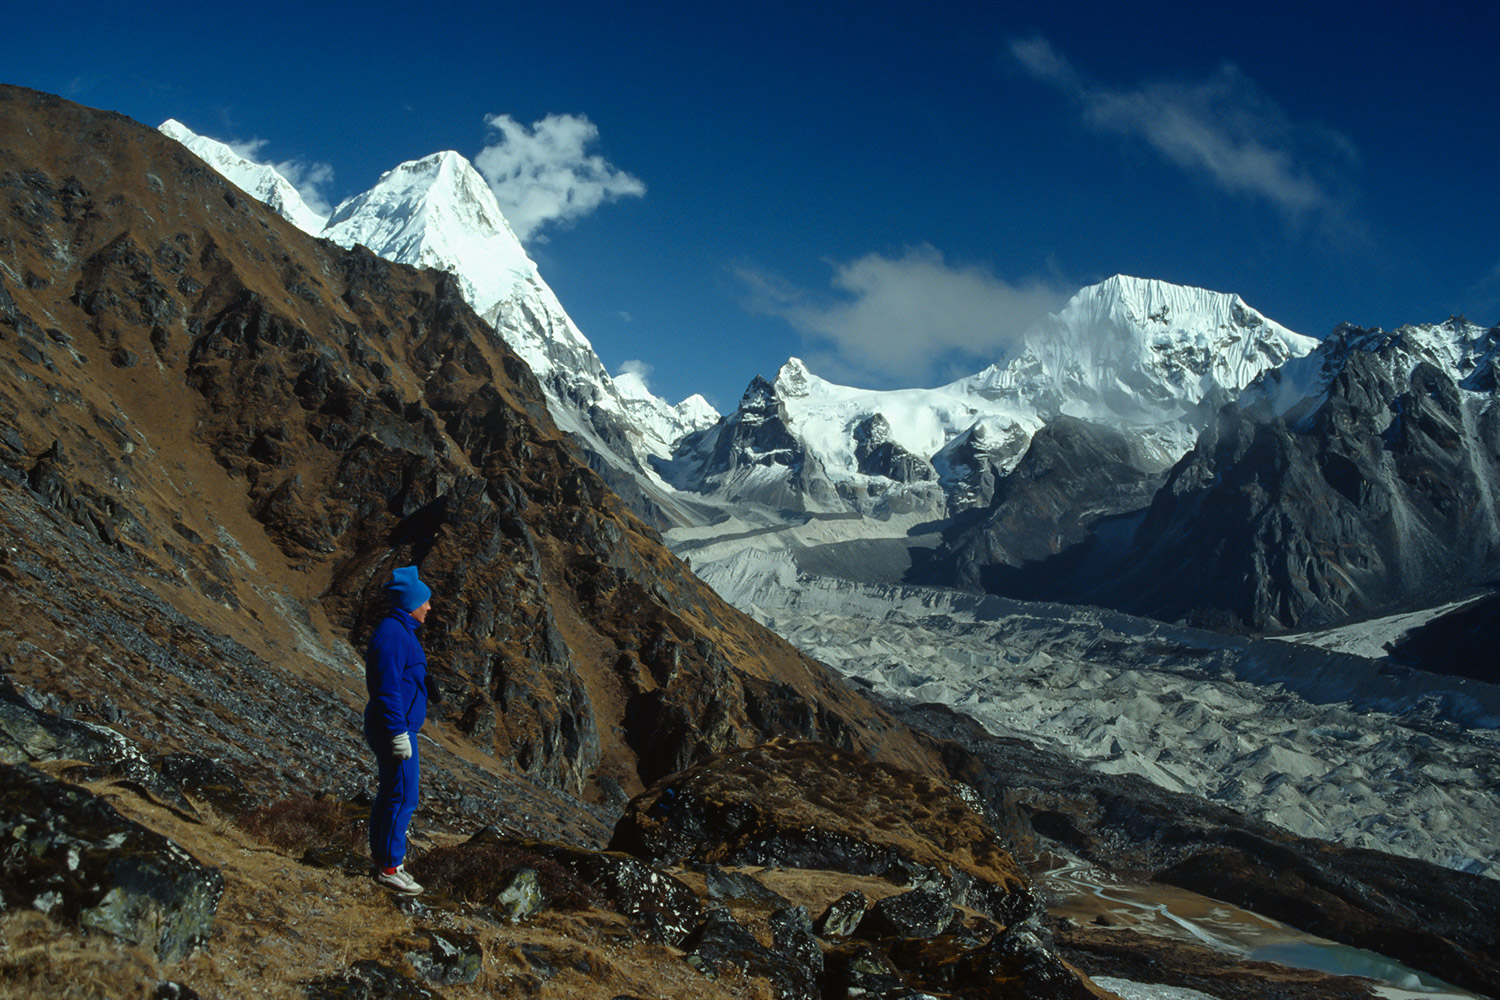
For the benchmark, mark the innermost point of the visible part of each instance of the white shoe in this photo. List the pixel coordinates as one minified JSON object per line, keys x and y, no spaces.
{"x":399,"y":881}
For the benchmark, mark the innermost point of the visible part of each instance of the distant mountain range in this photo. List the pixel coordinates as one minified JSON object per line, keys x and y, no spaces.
{"x":1165,"y":449}
{"x":1130,"y":354}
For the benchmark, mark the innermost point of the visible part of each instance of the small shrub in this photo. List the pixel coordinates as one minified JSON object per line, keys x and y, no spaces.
{"x":474,"y":872}
{"x":301,"y":822}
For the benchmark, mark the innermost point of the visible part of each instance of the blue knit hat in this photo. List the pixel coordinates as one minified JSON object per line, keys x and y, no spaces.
{"x":407,"y":592}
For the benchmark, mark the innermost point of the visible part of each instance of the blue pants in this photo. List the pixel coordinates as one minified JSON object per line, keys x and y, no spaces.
{"x":395,"y":801}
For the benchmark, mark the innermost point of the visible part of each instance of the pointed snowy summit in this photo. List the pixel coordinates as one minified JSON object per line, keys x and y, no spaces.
{"x":258,"y":180}
{"x":1141,"y":349}
{"x":438,"y":212}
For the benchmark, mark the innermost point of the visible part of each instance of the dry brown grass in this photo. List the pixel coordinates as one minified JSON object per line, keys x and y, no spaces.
{"x":301,"y":822}
{"x":802,"y":786}
{"x":40,"y":959}
{"x":281,"y":924}
{"x":475,"y":872}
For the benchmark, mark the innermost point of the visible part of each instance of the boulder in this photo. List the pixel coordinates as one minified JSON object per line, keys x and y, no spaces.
{"x":1020,"y":963}
{"x":68,"y":853}
{"x":858,"y":969}
{"x":920,"y":913}
{"x":799,"y":959}
{"x":30,"y":731}
{"x":739,"y":886}
{"x":721,"y":944}
{"x":843,"y":915}
{"x":520,"y":895}
{"x":662,"y":907}
{"x":447,"y":957}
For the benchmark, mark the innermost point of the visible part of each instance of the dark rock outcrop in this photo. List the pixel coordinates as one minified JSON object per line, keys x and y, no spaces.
{"x":920,"y":913}
{"x":1460,"y":643}
{"x":726,"y":456}
{"x":660,"y":906}
{"x":739,"y":886}
{"x":1379,"y":491}
{"x":1073,"y":474}
{"x":799,"y":959}
{"x":369,"y":980}
{"x":878,"y":454}
{"x":446,"y":957}
{"x":806,"y":805}
{"x":843,"y":915}
{"x":69,"y":854}
{"x":721,"y":944}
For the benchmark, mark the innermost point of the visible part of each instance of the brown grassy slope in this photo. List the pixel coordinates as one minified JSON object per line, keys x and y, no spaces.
{"x":282,"y":924}
{"x":785,"y":799}
{"x":217,"y":436}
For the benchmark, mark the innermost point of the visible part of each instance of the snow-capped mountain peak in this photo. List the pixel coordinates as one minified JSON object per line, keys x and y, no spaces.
{"x":438,"y":211}
{"x":258,"y":180}
{"x":1467,"y":352}
{"x":796,"y":380}
{"x":662,"y":423}
{"x":1142,"y":350}
{"x":1130,"y":353}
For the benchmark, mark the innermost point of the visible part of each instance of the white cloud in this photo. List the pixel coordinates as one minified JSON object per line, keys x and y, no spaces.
{"x":908,"y":318}
{"x":639,"y":369}
{"x":1222,"y":128}
{"x":542,"y":175}
{"x":310,"y":179}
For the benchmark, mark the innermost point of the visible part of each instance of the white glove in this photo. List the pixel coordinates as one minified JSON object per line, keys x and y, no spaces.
{"x":401,"y":746}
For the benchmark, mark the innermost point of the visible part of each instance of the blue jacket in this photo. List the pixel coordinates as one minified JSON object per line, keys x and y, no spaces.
{"x":396,"y":677}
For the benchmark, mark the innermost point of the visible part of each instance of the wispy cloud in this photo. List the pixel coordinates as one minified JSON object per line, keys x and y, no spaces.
{"x":640,"y":369}
{"x":907,"y":318}
{"x":543,"y":175}
{"x":311,"y":179}
{"x":1223,"y":129}
{"x":1485,"y":297}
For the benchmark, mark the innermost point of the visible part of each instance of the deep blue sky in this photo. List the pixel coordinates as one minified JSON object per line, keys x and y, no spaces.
{"x":1327,"y":163}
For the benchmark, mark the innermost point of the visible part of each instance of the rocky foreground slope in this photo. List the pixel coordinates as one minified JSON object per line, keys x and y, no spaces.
{"x":217,"y":436}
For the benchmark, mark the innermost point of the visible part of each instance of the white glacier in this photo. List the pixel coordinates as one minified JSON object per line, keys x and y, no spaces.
{"x":1334,"y":747}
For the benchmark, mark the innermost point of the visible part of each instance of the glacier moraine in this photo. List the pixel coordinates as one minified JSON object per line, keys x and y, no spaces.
{"x":1322,"y":744}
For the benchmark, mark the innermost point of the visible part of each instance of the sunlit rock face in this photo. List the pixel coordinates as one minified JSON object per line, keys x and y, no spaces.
{"x":1355,"y":480}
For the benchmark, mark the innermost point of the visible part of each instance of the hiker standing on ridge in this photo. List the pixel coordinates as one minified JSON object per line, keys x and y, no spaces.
{"x":396,"y":676}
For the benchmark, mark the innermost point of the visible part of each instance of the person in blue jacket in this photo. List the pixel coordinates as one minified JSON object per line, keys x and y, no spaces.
{"x":396,"y":676}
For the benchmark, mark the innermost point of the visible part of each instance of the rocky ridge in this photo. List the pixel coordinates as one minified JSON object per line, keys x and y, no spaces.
{"x":438,"y":212}
{"x":260,"y":181}
{"x":232,"y":432}
{"x":1359,"y":480}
